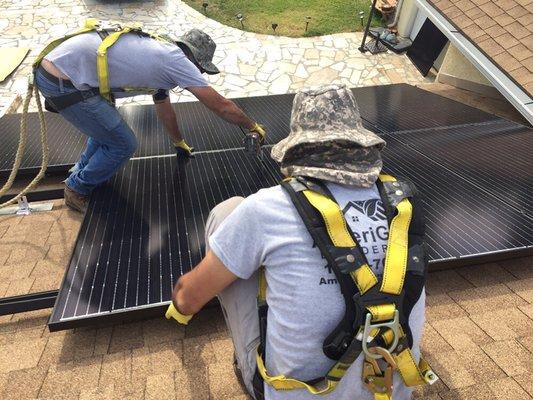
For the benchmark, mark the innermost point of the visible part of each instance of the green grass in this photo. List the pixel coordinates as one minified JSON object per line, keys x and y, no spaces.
{"x":327,"y":16}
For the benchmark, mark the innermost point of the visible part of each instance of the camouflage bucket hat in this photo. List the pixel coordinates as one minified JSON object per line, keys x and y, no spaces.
{"x":328,"y":141}
{"x":202,"y":48}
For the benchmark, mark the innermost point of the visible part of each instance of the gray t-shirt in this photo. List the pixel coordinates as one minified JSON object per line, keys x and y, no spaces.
{"x":133,"y":61}
{"x":304,"y":298}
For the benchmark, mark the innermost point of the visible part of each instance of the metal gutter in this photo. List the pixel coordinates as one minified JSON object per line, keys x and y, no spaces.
{"x":507,"y":87}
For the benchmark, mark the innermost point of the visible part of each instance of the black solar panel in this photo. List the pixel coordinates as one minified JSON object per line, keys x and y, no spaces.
{"x":392,"y":108}
{"x":65,"y":143}
{"x":145,"y":228}
{"x":463,"y":220}
{"x":496,"y":157}
{"x":384,"y":108}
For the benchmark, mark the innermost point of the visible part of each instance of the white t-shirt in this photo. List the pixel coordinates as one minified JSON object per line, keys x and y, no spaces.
{"x":133,"y":61}
{"x":305,"y":302}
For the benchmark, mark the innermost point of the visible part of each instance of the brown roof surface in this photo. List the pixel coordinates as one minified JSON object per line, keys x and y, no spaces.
{"x":502,"y":29}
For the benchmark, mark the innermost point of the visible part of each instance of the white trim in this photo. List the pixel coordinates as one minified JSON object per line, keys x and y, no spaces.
{"x":512,"y":92}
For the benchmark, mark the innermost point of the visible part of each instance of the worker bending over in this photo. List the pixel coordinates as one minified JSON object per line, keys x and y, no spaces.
{"x":336,"y":259}
{"x":80,"y":76}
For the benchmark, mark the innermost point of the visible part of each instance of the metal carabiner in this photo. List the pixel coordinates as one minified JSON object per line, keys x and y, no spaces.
{"x":393,"y":325}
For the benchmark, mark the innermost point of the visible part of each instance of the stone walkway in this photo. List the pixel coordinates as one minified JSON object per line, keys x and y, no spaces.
{"x":251,"y":64}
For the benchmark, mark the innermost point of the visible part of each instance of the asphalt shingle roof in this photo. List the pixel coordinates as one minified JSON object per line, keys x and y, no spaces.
{"x":502,"y":29}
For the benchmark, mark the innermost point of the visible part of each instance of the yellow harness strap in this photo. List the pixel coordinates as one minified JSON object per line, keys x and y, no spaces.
{"x":90,"y":25}
{"x":393,"y":279}
{"x":397,"y":246}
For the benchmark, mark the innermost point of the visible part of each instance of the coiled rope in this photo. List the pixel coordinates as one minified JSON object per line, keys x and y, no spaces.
{"x":22,"y":145}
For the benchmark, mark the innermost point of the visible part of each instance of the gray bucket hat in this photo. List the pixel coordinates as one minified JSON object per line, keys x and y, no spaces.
{"x":202,"y":48}
{"x":327,"y":139}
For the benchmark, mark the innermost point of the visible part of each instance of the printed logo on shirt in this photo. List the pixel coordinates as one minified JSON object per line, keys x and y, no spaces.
{"x":368,"y":222}
{"x":372,"y":208}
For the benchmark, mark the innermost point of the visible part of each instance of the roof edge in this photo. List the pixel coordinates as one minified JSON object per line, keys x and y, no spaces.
{"x":513,"y":92}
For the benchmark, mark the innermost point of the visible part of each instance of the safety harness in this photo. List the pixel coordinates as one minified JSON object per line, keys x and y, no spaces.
{"x":377,"y":307}
{"x":109,"y":34}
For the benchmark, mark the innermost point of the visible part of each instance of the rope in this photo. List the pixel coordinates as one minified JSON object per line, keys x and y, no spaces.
{"x":22,"y":144}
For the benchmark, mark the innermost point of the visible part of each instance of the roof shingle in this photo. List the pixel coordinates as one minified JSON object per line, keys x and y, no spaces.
{"x":501,"y":29}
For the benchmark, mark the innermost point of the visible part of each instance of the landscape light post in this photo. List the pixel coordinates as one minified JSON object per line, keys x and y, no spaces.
{"x":240,"y":17}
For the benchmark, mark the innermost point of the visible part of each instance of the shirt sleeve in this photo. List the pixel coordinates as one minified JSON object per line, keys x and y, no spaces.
{"x":180,"y":71}
{"x":237,"y":242}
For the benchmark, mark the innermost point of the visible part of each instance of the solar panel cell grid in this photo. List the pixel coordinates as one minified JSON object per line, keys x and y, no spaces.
{"x":145,"y":228}
{"x":495,"y":156}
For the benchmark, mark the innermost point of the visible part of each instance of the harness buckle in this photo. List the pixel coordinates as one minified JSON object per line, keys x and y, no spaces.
{"x":376,"y":380}
{"x":393,"y":325}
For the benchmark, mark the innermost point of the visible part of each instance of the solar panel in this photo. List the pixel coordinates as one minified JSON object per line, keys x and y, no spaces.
{"x":463,"y":219}
{"x":495,"y":156}
{"x":145,"y":228}
{"x":384,"y":108}
{"x":65,"y":143}
{"x":400,"y":107}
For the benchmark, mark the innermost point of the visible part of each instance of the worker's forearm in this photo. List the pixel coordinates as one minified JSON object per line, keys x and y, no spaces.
{"x":231,"y":113}
{"x":166,"y":114}
{"x":184,"y":299}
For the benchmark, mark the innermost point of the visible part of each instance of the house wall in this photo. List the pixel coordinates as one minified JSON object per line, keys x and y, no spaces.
{"x":457,"y":71}
{"x":453,"y":68}
{"x":407,"y":17}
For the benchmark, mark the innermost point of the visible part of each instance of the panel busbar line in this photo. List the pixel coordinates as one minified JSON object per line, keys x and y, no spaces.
{"x":496,"y":156}
{"x":144,"y":229}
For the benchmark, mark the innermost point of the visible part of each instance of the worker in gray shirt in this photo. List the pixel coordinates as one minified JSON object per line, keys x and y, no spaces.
{"x":81,"y":75}
{"x":340,"y":309}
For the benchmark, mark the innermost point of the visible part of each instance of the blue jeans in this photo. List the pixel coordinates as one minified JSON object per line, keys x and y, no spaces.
{"x":111,"y":141}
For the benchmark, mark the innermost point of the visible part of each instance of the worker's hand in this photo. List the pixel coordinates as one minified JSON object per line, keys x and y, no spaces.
{"x":183,"y":149}
{"x":172,"y":312}
{"x":260,"y":130}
